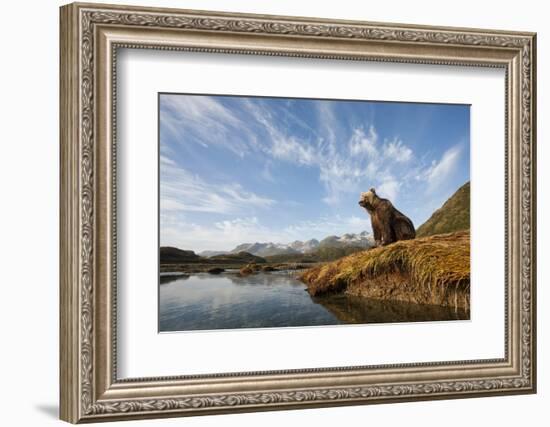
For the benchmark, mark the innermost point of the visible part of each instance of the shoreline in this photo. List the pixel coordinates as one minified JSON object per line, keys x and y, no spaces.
{"x":190,"y":268}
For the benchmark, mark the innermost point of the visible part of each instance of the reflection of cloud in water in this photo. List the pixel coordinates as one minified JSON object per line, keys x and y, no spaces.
{"x":262,"y":279}
{"x":167,"y":278}
{"x":229,"y":301}
{"x":267,"y":279}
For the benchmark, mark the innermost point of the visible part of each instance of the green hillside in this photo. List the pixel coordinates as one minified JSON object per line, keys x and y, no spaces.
{"x":171,"y":255}
{"x":453,"y":216}
{"x":238,"y":258}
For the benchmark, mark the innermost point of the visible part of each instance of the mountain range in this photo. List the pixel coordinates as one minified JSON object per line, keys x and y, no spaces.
{"x":262,"y":249}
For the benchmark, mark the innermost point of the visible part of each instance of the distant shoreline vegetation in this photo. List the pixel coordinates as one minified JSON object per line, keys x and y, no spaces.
{"x":174,"y":259}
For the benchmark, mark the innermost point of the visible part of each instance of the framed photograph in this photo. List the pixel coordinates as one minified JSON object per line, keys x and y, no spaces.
{"x":266,"y":212}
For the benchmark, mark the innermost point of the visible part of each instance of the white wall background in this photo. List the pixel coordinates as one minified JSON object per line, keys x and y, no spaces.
{"x":29,"y":170}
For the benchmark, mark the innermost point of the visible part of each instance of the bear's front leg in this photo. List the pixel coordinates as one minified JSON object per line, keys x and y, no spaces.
{"x":376,"y":231}
{"x":387,"y":234}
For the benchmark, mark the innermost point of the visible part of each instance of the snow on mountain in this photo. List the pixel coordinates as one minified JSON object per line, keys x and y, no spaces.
{"x":304,"y":247}
{"x":363,"y":239}
{"x":265,"y":249}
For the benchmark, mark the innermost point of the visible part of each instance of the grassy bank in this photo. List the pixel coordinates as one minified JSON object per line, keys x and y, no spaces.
{"x":429,"y":270}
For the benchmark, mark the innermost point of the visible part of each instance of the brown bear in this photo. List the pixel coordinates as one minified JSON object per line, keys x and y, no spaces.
{"x":388,"y":224}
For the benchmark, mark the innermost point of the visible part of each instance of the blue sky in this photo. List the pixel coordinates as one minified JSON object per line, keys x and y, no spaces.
{"x":246,"y":169}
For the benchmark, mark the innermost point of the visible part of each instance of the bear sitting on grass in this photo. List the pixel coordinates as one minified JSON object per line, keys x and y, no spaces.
{"x":388,"y":224}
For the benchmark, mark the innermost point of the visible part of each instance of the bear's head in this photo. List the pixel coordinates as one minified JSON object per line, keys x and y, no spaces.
{"x":368,"y":199}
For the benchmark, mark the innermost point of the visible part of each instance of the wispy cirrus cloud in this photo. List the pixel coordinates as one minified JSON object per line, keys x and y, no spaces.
{"x":364,"y":143}
{"x":396,"y":150}
{"x":277,"y":141}
{"x":439,"y":170}
{"x":185,"y":192}
{"x":292,"y":149}
{"x":347,"y":160}
{"x":167,"y":161}
{"x":204,"y":120}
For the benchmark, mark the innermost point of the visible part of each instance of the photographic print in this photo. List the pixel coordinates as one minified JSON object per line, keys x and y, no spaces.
{"x":280,"y":212}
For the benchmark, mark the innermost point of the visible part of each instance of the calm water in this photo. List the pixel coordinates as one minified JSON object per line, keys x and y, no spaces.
{"x":229,"y":301}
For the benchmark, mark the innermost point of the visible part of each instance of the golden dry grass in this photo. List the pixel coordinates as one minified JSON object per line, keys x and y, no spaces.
{"x":436,"y":261}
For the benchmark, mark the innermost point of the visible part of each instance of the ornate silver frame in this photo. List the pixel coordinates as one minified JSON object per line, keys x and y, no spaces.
{"x":90,"y":36}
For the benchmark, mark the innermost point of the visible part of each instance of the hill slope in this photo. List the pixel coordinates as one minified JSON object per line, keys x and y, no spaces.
{"x":238,"y":258}
{"x":454,"y":215}
{"x":171,"y":255}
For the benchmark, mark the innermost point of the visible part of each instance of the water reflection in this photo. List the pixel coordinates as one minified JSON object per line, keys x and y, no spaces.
{"x":229,"y":301}
{"x":167,"y":278}
{"x":352,"y":309}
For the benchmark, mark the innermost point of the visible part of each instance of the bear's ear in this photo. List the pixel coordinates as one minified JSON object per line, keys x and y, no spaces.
{"x":373,"y":191}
